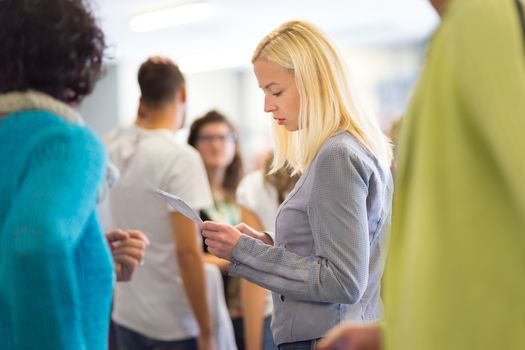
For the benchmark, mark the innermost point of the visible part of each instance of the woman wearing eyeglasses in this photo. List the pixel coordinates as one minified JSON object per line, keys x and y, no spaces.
{"x":215,"y":137}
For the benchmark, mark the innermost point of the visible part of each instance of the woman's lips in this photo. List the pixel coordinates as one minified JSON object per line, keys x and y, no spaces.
{"x":280,"y":121}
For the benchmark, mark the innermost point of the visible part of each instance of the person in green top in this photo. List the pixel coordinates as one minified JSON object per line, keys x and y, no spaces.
{"x":454,"y":278}
{"x":216,"y":139}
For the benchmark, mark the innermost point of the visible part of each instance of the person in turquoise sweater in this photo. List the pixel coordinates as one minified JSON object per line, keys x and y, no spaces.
{"x":454,"y":279}
{"x":56,"y":272}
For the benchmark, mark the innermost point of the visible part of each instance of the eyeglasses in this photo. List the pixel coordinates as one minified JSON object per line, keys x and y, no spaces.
{"x":230,"y":137}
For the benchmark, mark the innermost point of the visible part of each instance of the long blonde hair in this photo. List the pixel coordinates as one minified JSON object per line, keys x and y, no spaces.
{"x":282,"y":180}
{"x":327,"y":104}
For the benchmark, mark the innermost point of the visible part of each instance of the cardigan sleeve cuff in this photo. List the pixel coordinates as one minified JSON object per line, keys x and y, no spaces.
{"x":242,"y":249}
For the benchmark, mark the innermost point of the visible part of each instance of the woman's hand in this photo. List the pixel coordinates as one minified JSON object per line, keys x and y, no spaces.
{"x":127,"y":248}
{"x":249,"y":231}
{"x":220,"y":239}
{"x":352,"y":337}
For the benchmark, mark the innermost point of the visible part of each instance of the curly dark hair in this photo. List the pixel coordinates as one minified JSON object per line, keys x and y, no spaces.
{"x":234,"y":171}
{"x":52,"y":46}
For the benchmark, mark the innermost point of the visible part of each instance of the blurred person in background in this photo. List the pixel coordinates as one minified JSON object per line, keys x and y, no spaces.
{"x":165,"y":305}
{"x":453,"y":279}
{"x":216,"y":139}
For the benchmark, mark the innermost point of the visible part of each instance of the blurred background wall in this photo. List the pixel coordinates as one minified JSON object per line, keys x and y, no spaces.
{"x":383,"y":41}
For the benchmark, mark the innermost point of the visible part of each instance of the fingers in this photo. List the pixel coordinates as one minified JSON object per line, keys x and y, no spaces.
{"x":220,"y":238}
{"x":118,"y":270}
{"x":125,"y":268}
{"x":214,"y":238}
{"x":120,"y":235}
{"x":218,"y":248}
{"x":214,"y":251}
{"x":213,"y":226}
{"x":130,"y":248}
{"x":249,"y":231}
{"x":132,"y":238}
{"x":127,"y":261}
{"x":116,"y":235}
{"x":334,"y":339}
{"x":127,"y":248}
{"x":242,"y":227}
{"x":217,"y":231}
{"x":212,"y":244}
{"x":136,"y":253}
{"x":212,"y":234}
{"x":127,"y":243}
{"x":133,"y":243}
{"x":220,"y":253}
{"x":139,"y":235}
{"x":127,"y":257}
{"x":352,"y":337}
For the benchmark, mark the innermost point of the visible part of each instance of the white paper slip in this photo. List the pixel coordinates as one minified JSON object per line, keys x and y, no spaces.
{"x":181,"y":206}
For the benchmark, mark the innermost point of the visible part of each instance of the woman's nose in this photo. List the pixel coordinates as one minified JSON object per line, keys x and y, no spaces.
{"x":268,"y":106}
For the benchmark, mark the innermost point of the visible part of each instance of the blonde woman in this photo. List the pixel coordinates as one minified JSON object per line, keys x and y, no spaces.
{"x":326,"y":262}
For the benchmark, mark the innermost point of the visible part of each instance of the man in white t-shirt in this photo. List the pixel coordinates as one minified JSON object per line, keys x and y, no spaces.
{"x":164,"y":306}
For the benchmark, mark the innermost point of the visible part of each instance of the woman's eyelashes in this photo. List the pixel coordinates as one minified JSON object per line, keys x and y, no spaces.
{"x":277,"y":94}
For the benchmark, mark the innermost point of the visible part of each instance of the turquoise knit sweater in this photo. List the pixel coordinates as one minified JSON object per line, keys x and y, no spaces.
{"x":55,"y":267}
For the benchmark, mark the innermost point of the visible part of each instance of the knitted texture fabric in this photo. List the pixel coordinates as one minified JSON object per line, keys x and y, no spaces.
{"x":55,"y":267}
{"x":327,"y":260}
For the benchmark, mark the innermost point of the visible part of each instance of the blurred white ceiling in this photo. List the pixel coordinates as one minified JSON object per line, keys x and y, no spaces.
{"x":227,"y":38}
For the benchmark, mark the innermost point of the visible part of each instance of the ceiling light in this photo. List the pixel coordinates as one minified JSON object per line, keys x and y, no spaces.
{"x":170,"y":17}
{"x":214,"y":60}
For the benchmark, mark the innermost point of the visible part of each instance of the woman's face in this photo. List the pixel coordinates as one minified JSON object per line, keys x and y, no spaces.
{"x":216,"y":144}
{"x":281,"y":97}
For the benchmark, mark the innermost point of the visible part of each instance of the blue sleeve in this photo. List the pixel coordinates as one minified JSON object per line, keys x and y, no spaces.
{"x":38,"y":274}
